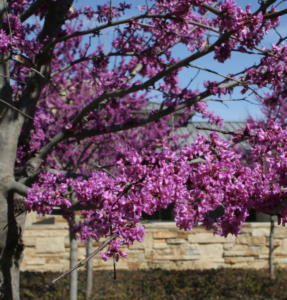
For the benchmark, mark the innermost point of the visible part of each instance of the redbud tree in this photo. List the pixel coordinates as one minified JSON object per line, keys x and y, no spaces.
{"x":72,"y":136}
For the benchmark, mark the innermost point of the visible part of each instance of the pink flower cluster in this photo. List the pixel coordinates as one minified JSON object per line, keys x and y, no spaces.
{"x":153,"y":179}
{"x":50,"y":190}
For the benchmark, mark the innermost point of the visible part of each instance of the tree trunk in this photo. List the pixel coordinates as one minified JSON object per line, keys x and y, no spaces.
{"x":11,"y":247}
{"x":73,"y":291}
{"x":271,"y":249}
{"x":89,"y":286}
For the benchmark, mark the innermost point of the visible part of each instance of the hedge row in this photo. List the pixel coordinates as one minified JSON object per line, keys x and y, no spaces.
{"x":159,"y":284}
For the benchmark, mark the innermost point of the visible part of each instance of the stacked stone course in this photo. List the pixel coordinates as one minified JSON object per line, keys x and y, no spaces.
{"x":164,"y":246}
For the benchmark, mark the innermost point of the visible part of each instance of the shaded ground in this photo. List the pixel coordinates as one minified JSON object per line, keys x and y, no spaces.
{"x":159,"y":284}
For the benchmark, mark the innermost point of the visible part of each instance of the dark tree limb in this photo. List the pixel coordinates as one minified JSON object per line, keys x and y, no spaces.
{"x":31,"y":10}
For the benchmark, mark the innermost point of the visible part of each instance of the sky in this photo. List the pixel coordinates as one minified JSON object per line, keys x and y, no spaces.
{"x":230,"y":110}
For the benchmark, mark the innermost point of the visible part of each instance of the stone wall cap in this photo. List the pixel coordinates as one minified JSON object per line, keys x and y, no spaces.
{"x":55,"y":226}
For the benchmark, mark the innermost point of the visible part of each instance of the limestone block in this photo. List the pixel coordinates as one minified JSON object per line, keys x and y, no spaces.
{"x":46,"y":233}
{"x":186,"y":246}
{"x":135,"y":255}
{"x":50,"y":245}
{"x":198,"y":229}
{"x":238,"y":247}
{"x":257,"y":225}
{"x":166,"y":251}
{"x":242,"y":265}
{"x":260,"y":264}
{"x":52,"y":267}
{"x":134,"y":251}
{"x":166,"y":226}
{"x":228,"y":246}
{"x":160,"y":245}
{"x":246,"y":230}
{"x":208,"y":238}
{"x":175,"y":257}
{"x":264,"y":250}
{"x":260,"y":232}
{"x":246,"y":225}
{"x":146,"y":243}
{"x":143,"y":265}
{"x":29,"y":241}
{"x":35,"y":261}
{"x":82,"y":252}
{"x":141,"y":255}
{"x":165,"y":234}
{"x":263,"y":256}
{"x":255,"y":240}
{"x":182,"y":236}
{"x":231,"y":260}
{"x":213,"y":250}
{"x":280,"y":232}
{"x":149,"y":251}
{"x":233,"y":253}
{"x":284,"y":245}
{"x":245,"y":259}
{"x":192,"y":252}
{"x":217,"y":260}
{"x":203,"y":264}
{"x":160,"y":240}
{"x":282,"y":260}
{"x":194,"y":264}
{"x":30,"y":218}
{"x":176,"y":241}
{"x":29,"y":252}
{"x":52,"y":260}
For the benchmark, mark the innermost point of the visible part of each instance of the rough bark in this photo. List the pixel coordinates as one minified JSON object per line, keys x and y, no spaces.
{"x":73,"y":289}
{"x":271,"y":249}
{"x":89,"y":286}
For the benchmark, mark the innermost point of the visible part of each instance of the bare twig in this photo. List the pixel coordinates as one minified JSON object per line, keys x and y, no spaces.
{"x":197,"y":161}
{"x":19,"y":111}
{"x":108,"y":172}
{"x":82,"y":263}
{"x":226,"y":132}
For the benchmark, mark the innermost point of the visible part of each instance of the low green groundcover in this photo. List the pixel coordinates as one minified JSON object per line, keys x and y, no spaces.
{"x":160,"y":284}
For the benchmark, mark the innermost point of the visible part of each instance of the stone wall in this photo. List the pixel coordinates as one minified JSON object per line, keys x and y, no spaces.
{"x":164,"y":246}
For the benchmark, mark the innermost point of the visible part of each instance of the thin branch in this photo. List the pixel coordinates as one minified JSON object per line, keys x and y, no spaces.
{"x":151,"y":118}
{"x":219,"y":74}
{"x":19,"y":111}
{"x":82,"y":263}
{"x":226,"y":132}
{"x":231,"y":99}
{"x":192,"y":79}
{"x":196,"y":161}
{"x":108,"y":172}
{"x":227,"y":77}
{"x":145,"y":85}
